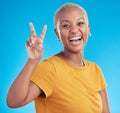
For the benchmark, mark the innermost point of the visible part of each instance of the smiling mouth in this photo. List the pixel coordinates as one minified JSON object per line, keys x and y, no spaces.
{"x":75,"y":40}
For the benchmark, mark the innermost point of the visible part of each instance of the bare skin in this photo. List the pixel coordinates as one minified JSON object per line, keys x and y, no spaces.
{"x":23,"y":90}
{"x":105,"y":103}
{"x":71,"y":24}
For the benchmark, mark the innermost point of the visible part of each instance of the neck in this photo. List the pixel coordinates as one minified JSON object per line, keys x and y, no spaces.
{"x":73,"y":58}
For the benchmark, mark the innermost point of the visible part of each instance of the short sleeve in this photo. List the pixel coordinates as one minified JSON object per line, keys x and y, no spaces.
{"x":43,"y":77}
{"x":102,"y":81}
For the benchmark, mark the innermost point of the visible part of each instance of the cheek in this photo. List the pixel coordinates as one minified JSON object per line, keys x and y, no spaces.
{"x":85,"y":31}
{"x":64,"y":33}
{"x":85,"y":34}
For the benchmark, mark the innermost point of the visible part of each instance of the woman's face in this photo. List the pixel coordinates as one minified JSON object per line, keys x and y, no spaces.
{"x":72,"y":29}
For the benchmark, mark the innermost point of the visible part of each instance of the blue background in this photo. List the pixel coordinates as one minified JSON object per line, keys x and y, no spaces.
{"x":103,"y":46}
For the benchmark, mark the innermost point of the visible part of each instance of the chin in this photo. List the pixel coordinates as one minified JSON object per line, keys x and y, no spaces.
{"x":76,"y":51}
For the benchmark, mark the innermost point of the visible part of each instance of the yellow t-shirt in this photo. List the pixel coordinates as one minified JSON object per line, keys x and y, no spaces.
{"x":68,"y":88}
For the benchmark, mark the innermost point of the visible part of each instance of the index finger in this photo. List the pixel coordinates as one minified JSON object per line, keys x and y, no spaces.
{"x":43,"y":32}
{"x":32,"y":29}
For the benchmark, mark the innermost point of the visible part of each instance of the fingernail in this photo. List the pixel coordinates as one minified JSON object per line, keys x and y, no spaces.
{"x":30,"y":23}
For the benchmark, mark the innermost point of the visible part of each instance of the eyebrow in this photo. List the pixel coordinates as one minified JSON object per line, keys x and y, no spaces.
{"x":69,"y":21}
{"x":81,"y":18}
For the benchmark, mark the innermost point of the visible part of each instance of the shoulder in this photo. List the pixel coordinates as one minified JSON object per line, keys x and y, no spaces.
{"x":92,"y":65}
{"x":46,"y":65}
{"x":48,"y":61}
{"x":53,"y":60}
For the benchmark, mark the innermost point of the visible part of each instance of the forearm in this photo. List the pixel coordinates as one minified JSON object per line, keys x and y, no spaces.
{"x":20,"y":87}
{"x":104,"y":97}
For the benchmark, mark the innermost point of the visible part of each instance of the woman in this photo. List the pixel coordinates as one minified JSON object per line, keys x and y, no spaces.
{"x":65,"y":82}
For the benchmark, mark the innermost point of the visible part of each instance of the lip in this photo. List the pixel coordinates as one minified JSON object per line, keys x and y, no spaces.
{"x":75,"y":41}
{"x":75,"y":38}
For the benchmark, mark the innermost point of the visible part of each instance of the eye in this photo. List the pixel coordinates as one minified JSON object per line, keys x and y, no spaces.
{"x":80,"y":23}
{"x":65,"y":26}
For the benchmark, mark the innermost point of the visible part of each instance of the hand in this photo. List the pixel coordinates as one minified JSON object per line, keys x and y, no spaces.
{"x":35,"y":44}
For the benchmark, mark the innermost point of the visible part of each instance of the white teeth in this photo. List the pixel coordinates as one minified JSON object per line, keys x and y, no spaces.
{"x":75,"y":38}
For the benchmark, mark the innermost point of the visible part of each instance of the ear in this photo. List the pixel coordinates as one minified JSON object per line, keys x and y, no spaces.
{"x":57,"y":34}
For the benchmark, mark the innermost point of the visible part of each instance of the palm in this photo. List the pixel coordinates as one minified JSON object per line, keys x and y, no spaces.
{"x":35,"y":44}
{"x":33,"y":53}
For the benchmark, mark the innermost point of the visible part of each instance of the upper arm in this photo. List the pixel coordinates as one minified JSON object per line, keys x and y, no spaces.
{"x":34,"y":92}
{"x":105,"y":103}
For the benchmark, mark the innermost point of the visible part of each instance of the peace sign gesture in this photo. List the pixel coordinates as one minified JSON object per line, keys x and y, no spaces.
{"x":35,"y":44}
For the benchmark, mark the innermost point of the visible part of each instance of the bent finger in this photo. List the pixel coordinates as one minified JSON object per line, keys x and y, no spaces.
{"x":32,"y":39}
{"x":38,"y":47}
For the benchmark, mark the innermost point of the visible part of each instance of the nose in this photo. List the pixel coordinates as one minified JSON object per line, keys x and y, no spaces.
{"x":74,"y":30}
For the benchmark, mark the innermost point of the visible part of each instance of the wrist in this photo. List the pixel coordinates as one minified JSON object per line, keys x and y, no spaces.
{"x":33,"y":61}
